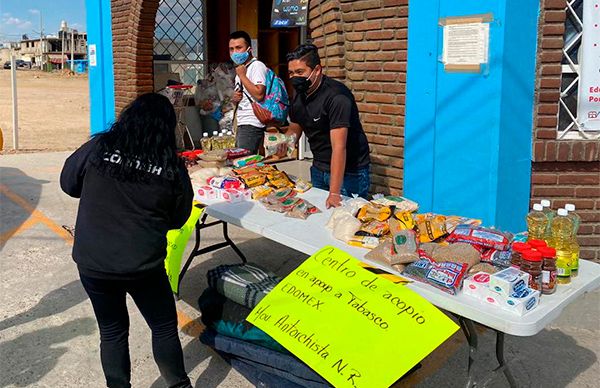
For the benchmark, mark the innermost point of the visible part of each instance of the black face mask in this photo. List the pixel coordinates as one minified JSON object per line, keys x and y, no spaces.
{"x":301,"y":84}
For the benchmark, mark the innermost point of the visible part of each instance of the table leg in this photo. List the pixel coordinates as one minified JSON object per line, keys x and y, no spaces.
{"x":232,"y":244}
{"x":500,"y":357}
{"x":202,"y":224}
{"x":471,"y":335}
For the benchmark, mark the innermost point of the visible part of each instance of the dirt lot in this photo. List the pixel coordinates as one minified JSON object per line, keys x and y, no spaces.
{"x":54,"y":110}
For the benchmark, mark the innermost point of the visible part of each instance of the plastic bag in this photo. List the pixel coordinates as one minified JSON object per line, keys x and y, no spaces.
{"x":274,"y":140}
{"x":345,"y":226}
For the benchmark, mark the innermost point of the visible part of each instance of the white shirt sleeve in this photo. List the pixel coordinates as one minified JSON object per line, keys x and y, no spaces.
{"x":257,"y":73}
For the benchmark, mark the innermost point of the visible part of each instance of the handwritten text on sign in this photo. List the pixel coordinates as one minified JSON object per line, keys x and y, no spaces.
{"x":351,"y":326}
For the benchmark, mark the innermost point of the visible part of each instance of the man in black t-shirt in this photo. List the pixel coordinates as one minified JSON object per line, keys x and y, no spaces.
{"x":325,"y":110}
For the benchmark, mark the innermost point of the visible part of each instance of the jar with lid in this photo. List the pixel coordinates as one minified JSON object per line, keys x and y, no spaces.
{"x":515,"y":257}
{"x":532,"y":264}
{"x":537,"y":244}
{"x":548,"y":270}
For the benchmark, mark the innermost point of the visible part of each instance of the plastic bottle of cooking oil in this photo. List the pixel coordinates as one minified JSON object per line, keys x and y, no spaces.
{"x":576,"y":220}
{"x":562,"y":230}
{"x":550,"y":214}
{"x":205,"y":142}
{"x":537,"y":223}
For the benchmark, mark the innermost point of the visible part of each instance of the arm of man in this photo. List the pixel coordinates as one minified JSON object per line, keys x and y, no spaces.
{"x":257,"y":91}
{"x":338,"y":138}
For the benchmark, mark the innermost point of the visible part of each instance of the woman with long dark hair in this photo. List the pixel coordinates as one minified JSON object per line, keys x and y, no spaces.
{"x":133,"y":188}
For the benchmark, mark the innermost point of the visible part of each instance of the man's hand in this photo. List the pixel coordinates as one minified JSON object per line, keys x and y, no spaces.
{"x":237,"y":97}
{"x":241,"y":70}
{"x":333,"y":200}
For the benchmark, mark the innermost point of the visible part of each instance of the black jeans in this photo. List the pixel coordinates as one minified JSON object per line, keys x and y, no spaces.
{"x":153,"y":297}
{"x":249,"y":137}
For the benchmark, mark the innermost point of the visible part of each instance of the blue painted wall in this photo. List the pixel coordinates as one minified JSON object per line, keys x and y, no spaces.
{"x":101,"y":76}
{"x":468,"y":136}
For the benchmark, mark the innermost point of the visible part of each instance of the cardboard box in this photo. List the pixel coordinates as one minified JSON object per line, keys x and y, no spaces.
{"x":509,"y":281}
{"x":477,"y":285}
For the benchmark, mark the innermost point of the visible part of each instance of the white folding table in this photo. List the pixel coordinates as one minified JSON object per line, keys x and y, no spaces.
{"x":311,"y":235}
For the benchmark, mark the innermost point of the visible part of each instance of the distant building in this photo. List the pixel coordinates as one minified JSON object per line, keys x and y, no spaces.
{"x":51,"y":55}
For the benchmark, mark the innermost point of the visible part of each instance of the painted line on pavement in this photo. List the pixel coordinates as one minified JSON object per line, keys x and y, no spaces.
{"x":35,"y":217}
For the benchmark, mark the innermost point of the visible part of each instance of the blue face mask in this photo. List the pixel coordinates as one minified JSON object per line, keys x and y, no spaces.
{"x":240,"y":58}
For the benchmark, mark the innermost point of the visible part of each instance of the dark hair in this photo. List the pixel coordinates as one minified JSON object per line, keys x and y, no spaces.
{"x":243,"y":35}
{"x":307,"y":53}
{"x":141,"y":141}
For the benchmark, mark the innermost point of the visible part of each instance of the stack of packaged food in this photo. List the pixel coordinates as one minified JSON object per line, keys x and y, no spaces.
{"x":453,"y":252}
{"x":275,"y":189}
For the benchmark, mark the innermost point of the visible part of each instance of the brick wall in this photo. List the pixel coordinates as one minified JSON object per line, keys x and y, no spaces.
{"x":133,"y":40}
{"x":364,"y":43}
{"x":564,"y":171}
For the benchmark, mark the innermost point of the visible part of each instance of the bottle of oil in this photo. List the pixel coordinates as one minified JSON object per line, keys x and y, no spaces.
{"x":576,"y":219}
{"x":550,"y":214}
{"x":562,"y":229}
{"x":537,"y":223}
{"x":205,"y":142}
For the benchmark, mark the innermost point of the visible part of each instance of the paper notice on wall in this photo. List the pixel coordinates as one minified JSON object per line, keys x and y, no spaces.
{"x":92,"y":55}
{"x":466,"y":44}
{"x":588,"y":101}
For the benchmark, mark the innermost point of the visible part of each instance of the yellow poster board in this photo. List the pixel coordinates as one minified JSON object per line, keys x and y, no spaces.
{"x":177,"y":239}
{"x":351,"y":326}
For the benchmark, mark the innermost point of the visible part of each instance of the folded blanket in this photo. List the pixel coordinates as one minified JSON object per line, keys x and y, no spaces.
{"x":229,"y":318}
{"x":268,"y":360}
{"x":245,"y":284}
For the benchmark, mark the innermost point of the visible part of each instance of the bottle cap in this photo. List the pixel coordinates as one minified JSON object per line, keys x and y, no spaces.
{"x":520,"y":246}
{"x":220,"y":134}
{"x":205,"y":134}
{"x":215,"y":133}
{"x":562,"y":212}
{"x":538,"y":207}
{"x":536,"y":244}
{"x":570,"y":207}
{"x":532,"y":255}
{"x":547,"y":252}
{"x":545,"y":203}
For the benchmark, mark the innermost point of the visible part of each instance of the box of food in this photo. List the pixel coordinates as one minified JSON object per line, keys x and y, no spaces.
{"x":508,"y":281}
{"x":477,"y":285}
{"x":522,"y":301}
{"x":208,"y":192}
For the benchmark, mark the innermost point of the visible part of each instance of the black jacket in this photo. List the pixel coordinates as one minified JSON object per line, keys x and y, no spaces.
{"x":121,"y":226}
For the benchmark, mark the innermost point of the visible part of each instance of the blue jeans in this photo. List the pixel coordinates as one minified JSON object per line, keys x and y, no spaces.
{"x":357,"y":182}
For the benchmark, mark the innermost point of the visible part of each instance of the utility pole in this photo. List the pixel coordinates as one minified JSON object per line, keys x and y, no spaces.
{"x":15,"y":111}
{"x":72,"y":49}
{"x":41,"y":42}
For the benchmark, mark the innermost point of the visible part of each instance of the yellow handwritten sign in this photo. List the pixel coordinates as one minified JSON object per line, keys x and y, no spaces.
{"x":351,"y":326}
{"x":177,"y":239}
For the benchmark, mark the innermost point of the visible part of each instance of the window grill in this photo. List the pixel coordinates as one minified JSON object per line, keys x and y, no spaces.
{"x":180,"y":39}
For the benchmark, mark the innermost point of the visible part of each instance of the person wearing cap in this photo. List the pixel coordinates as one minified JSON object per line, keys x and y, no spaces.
{"x":326,"y":112}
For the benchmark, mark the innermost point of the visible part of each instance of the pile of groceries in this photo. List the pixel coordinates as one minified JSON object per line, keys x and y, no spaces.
{"x":250,"y":179}
{"x":456,"y":254}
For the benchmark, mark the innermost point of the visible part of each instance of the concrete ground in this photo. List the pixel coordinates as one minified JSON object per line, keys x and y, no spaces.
{"x":49,"y":337}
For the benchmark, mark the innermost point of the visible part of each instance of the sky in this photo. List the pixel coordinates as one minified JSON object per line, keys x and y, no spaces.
{"x":18,"y":17}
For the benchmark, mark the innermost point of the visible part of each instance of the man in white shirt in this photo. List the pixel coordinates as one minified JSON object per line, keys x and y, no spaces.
{"x":250,"y":82}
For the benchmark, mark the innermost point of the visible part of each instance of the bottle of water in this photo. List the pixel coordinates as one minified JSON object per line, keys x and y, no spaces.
{"x":562,"y":229}
{"x":576,"y":219}
{"x":537,"y":223}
